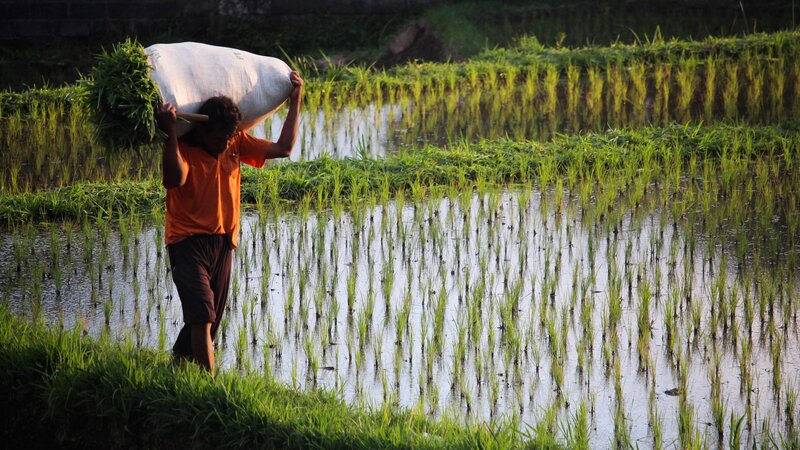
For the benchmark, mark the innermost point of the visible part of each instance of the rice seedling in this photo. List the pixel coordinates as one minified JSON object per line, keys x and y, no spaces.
{"x":790,"y":411}
{"x":614,"y":306}
{"x":622,"y":437}
{"x":545,"y":429}
{"x":656,"y":424}
{"x":735,"y":437}
{"x":241,"y":349}
{"x":776,"y":349}
{"x":718,"y":404}
{"x":162,"y":330}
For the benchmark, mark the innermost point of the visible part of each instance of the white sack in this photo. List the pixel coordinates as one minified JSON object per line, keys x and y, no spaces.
{"x":189,"y":73}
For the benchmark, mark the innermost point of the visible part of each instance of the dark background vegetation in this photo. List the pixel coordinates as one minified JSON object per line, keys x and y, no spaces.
{"x":52,"y":42}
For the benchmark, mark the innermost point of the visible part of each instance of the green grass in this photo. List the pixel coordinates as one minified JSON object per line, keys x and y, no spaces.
{"x":86,"y":200}
{"x":27,"y":101}
{"x":45,"y":134}
{"x":529,"y":51}
{"x":527,"y":55}
{"x":463,"y":165}
{"x":91,"y":393}
{"x":121,"y":98}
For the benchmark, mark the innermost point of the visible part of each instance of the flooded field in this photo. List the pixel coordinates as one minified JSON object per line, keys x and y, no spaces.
{"x":52,"y":146}
{"x":647,"y":316}
{"x":625,"y":289}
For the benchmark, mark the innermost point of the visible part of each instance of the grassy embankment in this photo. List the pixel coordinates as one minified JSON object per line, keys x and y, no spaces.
{"x":328,"y":182}
{"x":97,"y":394}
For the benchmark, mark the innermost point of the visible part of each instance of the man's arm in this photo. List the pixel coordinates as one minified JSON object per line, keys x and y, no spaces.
{"x":173,"y":165}
{"x":283,"y":147}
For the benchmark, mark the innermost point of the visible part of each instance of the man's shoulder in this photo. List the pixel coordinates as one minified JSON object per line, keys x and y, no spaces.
{"x":244,"y":137}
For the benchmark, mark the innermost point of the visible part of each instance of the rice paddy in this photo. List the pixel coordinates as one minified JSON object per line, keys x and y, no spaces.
{"x":588,"y":287}
{"x":356,"y":111}
{"x":558,"y":291}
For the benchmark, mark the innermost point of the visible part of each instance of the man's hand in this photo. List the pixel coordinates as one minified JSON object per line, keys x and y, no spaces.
{"x":297,"y":88}
{"x":166,"y":117}
{"x":173,"y":165}
{"x":283,"y":147}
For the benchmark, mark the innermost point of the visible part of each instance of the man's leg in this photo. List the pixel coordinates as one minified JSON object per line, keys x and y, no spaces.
{"x":220,"y":281}
{"x":202,"y":348}
{"x":190,"y":261}
{"x":183,"y":344}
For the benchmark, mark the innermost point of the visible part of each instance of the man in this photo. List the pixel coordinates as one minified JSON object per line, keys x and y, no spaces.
{"x":202,"y":178}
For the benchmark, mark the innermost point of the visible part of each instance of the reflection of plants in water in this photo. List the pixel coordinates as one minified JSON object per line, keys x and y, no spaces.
{"x":686,"y":80}
{"x":573,"y":90}
{"x":550,"y":82}
{"x":662,"y":82}
{"x":796,"y":88}
{"x":730,"y":90}
{"x":710,"y":65}
{"x":47,"y":138}
{"x":594,"y":92}
{"x":754,"y":76}
{"x":616,"y":90}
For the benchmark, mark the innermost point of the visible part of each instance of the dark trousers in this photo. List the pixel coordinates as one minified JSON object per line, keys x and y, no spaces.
{"x":201,"y":271}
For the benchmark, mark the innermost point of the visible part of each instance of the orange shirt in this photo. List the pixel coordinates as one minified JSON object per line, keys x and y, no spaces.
{"x":208,"y":203}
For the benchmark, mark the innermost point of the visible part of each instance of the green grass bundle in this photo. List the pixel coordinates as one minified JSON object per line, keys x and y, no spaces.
{"x":122,"y":98}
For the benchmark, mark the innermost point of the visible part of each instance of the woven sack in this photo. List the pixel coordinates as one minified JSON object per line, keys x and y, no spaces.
{"x":189,"y":73}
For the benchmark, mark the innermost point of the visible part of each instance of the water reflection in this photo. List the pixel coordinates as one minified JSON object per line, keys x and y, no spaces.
{"x":54,"y":148}
{"x":487,"y":305}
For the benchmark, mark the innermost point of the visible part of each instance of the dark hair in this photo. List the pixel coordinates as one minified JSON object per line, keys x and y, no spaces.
{"x":222,"y":113}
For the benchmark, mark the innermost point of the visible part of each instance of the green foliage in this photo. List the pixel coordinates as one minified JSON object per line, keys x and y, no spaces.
{"x":80,"y":200}
{"x":529,"y":51}
{"x":132,"y":96}
{"x":103,"y":394}
{"x":122,"y":98}
{"x":461,"y":164}
{"x":456,"y":26}
{"x":27,"y":101}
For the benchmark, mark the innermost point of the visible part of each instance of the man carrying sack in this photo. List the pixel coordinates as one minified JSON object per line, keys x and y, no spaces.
{"x":202,"y":177}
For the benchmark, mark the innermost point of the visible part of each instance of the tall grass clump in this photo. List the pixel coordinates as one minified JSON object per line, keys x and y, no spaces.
{"x":122,"y":98}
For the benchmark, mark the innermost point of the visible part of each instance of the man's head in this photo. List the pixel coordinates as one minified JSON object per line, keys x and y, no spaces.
{"x":223,"y":122}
